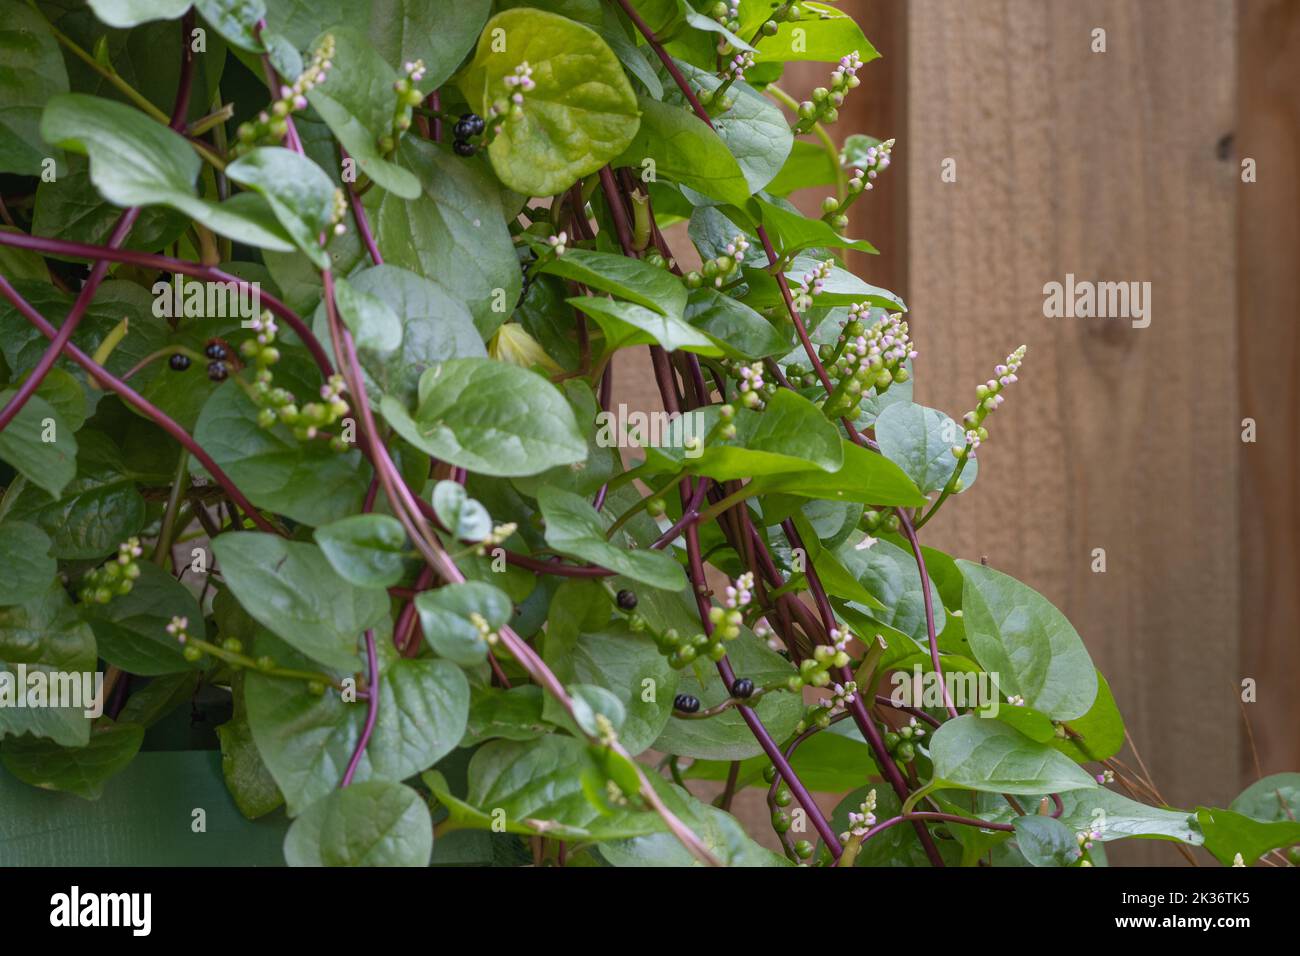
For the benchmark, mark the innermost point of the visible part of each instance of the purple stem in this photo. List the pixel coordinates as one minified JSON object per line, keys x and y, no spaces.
{"x":372,"y":709}
{"x":910,"y":534}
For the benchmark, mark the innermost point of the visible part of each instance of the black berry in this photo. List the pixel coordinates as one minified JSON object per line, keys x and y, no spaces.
{"x":218,"y":371}
{"x":463,"y":148}
{"x":473,"y":122}
{"x":686,"y":703}
{"x":742,"y":688}
{"x":626,"y":599}
{"x":216,"y":350}
{"x":179,"y":362}
{"x":462,"y":130}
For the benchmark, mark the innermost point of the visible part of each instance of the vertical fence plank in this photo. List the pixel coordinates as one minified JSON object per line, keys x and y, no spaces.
{"x":1269,"y":300}
{"x":1107,"y":166}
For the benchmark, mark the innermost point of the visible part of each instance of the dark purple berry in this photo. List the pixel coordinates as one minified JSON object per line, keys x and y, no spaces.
{"x":462,"y":130}
{"x":463,"y":148}
{"x":686,"y":703}
{"x":626,"y":599}
{"x":216,"y":350}
{"x":218,"y":371}
{"x":742,"y":688}
{"x":179,"y":362}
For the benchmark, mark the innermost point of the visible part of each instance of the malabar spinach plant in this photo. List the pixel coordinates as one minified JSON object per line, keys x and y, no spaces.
{"x":308,"y":409}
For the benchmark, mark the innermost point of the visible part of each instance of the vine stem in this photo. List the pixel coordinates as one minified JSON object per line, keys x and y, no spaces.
{"x":146,"y":407}
{"x":910,"y":533}
{"x":372,"y":710}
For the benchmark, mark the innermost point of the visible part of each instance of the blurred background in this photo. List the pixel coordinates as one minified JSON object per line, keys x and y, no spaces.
{"x":1127,"y":165}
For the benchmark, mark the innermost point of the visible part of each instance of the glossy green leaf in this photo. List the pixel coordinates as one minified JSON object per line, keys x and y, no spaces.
{"x":1045,"y":841}
{"x":445,"y":615}
{"x":516,"y":422}
{"x":77,"y":770}
{"x":465,"y":518}
{"x":735,"y":328}
{"x":39,"y":444}
{"x":790,"y":434}
{"x":581,"y":114}
{"x":131,"y":630}
{"x":1272,"y":798}
{"x":575,"y":528}
{"x":367,"y":550}
{"x":980,"y":754}
{"x":298,"y":191}
{"x":31,"y":73}
{"x":1018,"y":635}
{"x":865,"y":477}
{"x":372,"y":823}
{"x":626,"y":324}
{"x":920,"y":440}
{"x":290,"y":588}
{"x":826,"y":34}
{"x":678,"y":146}
{"x":1228,"y":834}
{"x":129,"y":13}
{"x":25,"y":557}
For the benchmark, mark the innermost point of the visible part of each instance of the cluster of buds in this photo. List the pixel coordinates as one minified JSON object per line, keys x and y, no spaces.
{"x":272,"y":124}
{"x":750,"y":385}
{"x":114,"y":578}
{"x":681,"y":649}
{"x":812,"y":283}
{"x":869,"y":166}
{"x":740,"y":593}
{"x":862,"y":819}
{"x":1106,"y":776}
{"x":178,"y":628}
{"x":497,"y":536}
{"x":231,"y":651}
{"x":1016,"y":700}
{"x":902,"y":742}
{"x":408,"y":97}
{"x":490,"y":637}
{"x":1086,"y":837}
{"x":867,"y":358}
{"x":990,"y":397}
{"x":720,"y":269}
{"x":874,"y":521}
{"x":339,"y":212}
{"x":815,"y":671}
{"x":512,"y":107}
{"x":277,"y":405}
{"x":739,"y":64}
{"x":841,"y":696}
{"x":559,"y":242}
{"x":825,"y":103}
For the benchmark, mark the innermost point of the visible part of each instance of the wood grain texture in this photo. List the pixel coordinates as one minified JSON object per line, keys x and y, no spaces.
{"x":1268,"y":238}
{"x":1107,"y":166}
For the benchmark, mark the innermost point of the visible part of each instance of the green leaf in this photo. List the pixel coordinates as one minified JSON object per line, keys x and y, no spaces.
{"x":137,"y":162}
{"x":130,"y":13}
{"x":307,"y":741}
{"x":32,"y":72}
{"x":356,"y":101}
{"x":307,"y":481}
{"x":155,"y":700}
{"x":807,"y":165}
{"x":890,"y":574}
{"x":131,"y":630}
{"x":684,"y":150}
{"x":795,"y":231}
{"x":45,"y":634}
{"x":373,"y":823}
{"x":581,"y":114}
{"x":78,"y":770}
{"x":575,"y":528}
{"x":39,"y":444}
{"x":1017,"y":634}
{"x":491,"y":418}
{"x":754,"y":129}
{"x":720,"y":832}
{"x":236,"y":20}
{"x":1046,"y":842}
{"x":440,"y":32}
{"x":1271,"y":799}
{"x":445,"y":616}
{"x":1115,"y":817}
{"x":71,"y":208}
{"x":840,"y":288}
{"x":626,"y":324}
{"x":514,"y":714}
{"x":1228,"y":833}
{"x":290,"y":588}
{"x":632,"y":279}
{"x":434,"y":327}
{"x":373,"y":324}
{"x":726,"y":736}
{"x":298,"y":191}
{"x":25,"y":556}
{"x":865,"y":477}
{"x":367,"y":550}
{"x":96,"y":511}
{"x":463,"y":517}
{"x":247,"y":778}
{"x":453,"y":233}
{"x":790,"y":435}
{"x":735,"y":328}
{"x":920,"y":440}
{"x":826,"y":33}
{"x":980,"y":754}
{"x":1101,"y":729}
